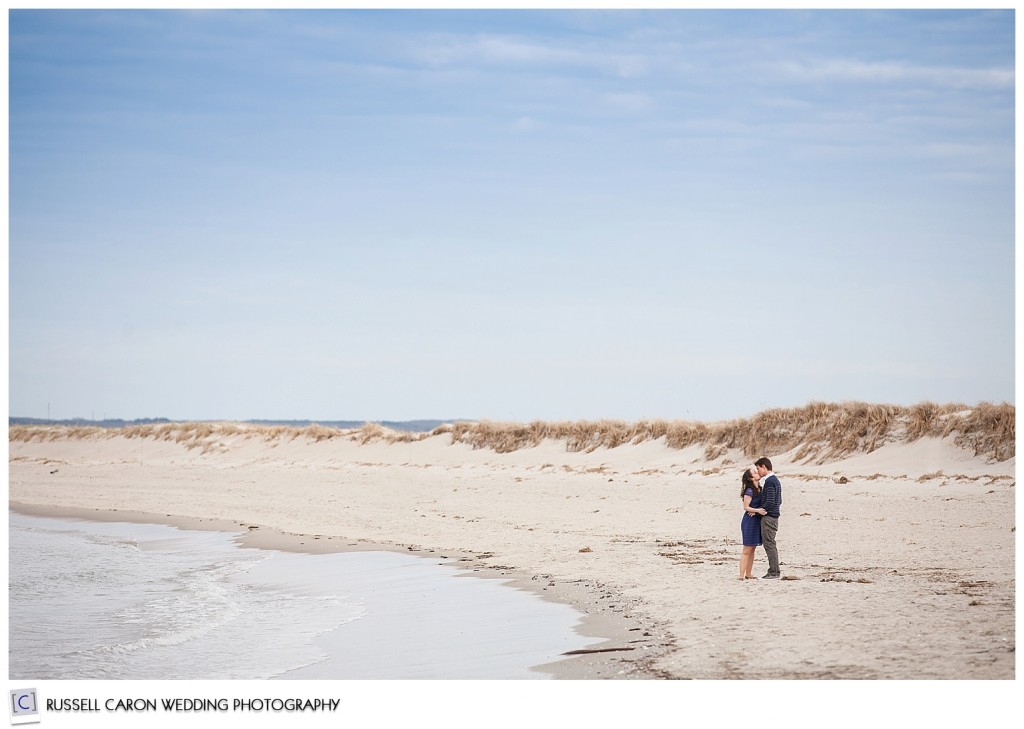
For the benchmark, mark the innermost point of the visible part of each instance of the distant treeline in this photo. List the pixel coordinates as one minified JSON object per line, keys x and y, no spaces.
{"x":405,"y":426}
{"x":86,"y":423}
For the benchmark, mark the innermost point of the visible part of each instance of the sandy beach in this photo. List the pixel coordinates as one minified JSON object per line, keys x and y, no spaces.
{"x":897,"y":563}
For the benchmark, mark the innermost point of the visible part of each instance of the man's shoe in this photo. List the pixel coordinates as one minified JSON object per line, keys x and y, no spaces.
{"x":770,"y":576}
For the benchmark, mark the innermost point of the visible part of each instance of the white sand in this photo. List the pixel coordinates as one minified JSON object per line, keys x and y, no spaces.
{"x":897,"y":573}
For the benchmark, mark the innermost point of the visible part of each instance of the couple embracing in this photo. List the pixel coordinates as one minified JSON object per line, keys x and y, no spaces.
{"x":762,"y":496}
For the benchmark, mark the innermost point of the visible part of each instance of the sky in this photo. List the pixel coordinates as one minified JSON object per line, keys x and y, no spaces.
{"x":511,"y":215}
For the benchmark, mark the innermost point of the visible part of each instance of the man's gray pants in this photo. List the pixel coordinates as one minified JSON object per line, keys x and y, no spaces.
{"x":769,"y":527}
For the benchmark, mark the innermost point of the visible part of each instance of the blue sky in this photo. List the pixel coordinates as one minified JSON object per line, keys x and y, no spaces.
{"x":508,"y":215}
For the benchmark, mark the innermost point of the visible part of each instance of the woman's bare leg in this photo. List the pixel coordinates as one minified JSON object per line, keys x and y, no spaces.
{"x":746,"y":562}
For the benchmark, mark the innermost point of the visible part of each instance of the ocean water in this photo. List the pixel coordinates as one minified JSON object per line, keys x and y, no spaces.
{"x":109,"y":600}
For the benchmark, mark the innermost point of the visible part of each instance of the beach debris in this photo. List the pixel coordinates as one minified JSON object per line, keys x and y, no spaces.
{"x":842,"y":480}
{"x":586,"y":549}
{"x":861,"y":580}
{"x":584,"y":651}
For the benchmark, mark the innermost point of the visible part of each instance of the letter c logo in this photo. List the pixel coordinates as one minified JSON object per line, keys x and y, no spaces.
{"x":21,"y":705}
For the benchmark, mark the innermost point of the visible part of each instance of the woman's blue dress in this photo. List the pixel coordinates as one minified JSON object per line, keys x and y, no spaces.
{"x":751,"y":524}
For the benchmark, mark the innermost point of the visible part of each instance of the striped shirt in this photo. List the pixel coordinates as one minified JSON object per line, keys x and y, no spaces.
{"x":771,"y":494}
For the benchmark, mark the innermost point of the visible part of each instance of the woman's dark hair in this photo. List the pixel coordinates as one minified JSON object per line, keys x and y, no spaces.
{"x":748,"y":483}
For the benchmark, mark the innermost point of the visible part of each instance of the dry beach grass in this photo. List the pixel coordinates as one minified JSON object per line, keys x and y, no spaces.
{"x":897,"y":536}
{"x":821,"y":431}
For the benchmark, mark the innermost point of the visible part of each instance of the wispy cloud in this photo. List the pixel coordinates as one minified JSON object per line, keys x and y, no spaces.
{"x":510,"y":51}
{"x":854,"y":71}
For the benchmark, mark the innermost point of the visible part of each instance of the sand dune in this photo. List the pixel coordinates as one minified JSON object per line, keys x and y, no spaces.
{"x":898,"y":559}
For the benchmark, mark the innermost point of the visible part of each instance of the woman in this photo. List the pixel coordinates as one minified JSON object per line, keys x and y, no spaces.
{"x":750,"y":526}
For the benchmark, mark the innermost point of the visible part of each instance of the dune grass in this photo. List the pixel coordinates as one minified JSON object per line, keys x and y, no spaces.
{"x":200,"y":434}
{"x":816,"y":432}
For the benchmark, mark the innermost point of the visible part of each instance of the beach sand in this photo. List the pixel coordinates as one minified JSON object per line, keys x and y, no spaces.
{"x":897,"y":564}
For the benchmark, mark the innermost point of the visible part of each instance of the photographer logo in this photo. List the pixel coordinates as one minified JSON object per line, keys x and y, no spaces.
{"x":23,"y":706}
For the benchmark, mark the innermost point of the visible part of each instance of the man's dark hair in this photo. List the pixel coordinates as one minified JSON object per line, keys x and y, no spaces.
{"x":764,"y":462}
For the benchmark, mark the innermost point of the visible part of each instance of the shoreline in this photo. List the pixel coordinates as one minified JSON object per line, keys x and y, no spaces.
{"x":602,"y":660}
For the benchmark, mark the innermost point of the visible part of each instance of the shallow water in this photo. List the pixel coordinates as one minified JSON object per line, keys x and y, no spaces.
{"x":108,"y":600}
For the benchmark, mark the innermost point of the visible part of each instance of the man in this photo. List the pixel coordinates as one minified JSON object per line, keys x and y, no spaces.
{"x":771,"y":500}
